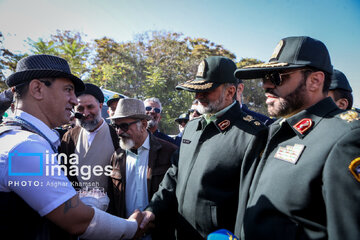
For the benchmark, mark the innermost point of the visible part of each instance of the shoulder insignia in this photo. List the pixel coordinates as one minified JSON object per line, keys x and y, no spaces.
{"x":350,"y":116}
{"x":354,"y":168}
{"x":303,"y":125}
{"x":248,"y":118}
{"x":224,"y":124}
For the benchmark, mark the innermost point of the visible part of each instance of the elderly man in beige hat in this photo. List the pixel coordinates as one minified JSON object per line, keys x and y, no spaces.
{"x":140,"y":163}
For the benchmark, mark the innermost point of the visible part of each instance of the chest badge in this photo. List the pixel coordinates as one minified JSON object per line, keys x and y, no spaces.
{"x":224,"y":124}
{"x":354,"y":168}
{"x":186,"y":141}
{"x":289,"y":153}
{"x":303,"y":125}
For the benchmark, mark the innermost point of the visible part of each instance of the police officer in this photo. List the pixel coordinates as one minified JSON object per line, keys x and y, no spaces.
{"x":340,"y":90}
{"x":217,"y":152}
{"x":307,"y":184}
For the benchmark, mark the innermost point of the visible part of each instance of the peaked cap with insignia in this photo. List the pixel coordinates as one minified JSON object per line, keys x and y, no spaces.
{"x":212,"y":72}
{"x":291,"y":53}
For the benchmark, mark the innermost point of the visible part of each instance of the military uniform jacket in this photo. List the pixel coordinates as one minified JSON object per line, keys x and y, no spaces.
{"x":204,"y":184}
{"x":304,"y":187}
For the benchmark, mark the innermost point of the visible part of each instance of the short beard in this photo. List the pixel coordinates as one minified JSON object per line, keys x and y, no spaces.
{"x":89,"y":125}
{"x":292,"y":102}
{"x":212,"y":107}
{"x":126,"y":143}
{"x":152,"y":123}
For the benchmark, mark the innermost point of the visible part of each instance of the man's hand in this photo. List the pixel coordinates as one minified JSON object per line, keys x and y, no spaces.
{"x":137,"y":216}
{"x":148,"y":217}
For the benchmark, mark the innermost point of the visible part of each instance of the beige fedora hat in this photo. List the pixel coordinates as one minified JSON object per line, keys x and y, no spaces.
{"x":130,"y":108}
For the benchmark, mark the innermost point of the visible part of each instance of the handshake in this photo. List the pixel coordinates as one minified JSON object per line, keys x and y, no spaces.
{"x":144,"y":220}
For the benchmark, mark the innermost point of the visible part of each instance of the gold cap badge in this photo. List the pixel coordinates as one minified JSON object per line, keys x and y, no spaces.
{"x":201,"y":69}
{"x":277,"y":50}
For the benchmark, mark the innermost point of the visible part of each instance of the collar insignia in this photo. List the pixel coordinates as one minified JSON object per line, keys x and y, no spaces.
{"x":224,"y":124}
{"x":303,"y":125}
{"x":290,"y":154}
{"x":354,"y":168}
{"x":350,"y":116}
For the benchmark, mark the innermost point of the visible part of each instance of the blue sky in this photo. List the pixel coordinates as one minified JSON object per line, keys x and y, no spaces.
{"x":248,"y":28}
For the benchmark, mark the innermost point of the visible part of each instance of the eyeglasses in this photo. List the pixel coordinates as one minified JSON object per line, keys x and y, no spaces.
{"x":124,"y":126}
{"x":277,"y":78}
{"x":157,"y":110}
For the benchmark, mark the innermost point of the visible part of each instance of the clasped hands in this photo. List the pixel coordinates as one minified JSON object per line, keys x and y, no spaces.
{"x":145,"y":221}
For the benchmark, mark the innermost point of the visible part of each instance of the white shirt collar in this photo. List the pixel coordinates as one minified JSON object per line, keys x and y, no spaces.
{"x":52,"y":135}
{"x":146,"y":143}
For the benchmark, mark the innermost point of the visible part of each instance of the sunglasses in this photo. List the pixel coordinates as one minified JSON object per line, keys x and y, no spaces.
{"x":277,"y":78}
{"x":157,"y":110}
{"x":124,"y":126}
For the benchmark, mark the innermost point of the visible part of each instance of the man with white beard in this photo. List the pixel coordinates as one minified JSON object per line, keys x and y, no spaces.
{"x":93,"y":140}
{"x":203,"y":186}
{"x":139,"y":165}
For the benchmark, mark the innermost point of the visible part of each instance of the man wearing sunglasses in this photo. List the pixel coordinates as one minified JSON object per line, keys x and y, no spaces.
{"x":307,"y":184}
{"x":153,"y":109}
{"x":139,"y":164}
{"x":203,"y":186}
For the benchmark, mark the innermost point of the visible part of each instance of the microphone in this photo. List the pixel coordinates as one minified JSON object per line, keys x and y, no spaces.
{"x":78,"y":115}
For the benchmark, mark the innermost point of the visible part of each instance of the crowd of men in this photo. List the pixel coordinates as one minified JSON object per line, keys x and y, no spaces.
{"x":293,"y":175}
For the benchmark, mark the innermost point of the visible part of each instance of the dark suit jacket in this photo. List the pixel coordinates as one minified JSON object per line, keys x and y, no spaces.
{"x":159,"y":161}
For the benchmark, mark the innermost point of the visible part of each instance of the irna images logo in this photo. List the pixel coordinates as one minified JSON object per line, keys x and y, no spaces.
{"x":37,"y":164}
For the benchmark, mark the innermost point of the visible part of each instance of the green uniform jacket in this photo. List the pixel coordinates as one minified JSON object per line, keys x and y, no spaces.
{"x":317,"y":196}
{"x":204,"y":185}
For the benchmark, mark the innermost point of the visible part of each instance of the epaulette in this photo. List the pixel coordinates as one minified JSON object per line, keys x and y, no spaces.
{"x":350,"y":116}
{"x":251,"y":119}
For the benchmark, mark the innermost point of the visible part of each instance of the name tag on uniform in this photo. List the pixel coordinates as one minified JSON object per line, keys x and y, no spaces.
{"x":290,"y":154}
{"x":186,"y":141}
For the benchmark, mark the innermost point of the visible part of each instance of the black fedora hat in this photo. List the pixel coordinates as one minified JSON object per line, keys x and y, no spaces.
{"x":43,"y":66}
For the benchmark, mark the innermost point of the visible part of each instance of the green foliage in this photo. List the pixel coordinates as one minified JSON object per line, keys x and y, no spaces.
{"x":151,"y":65}
{"x":253,"y":94}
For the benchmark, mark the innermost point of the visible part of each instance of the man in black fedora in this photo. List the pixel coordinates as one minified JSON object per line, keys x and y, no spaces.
{"x":307,"y":183}
{"x":36,"y":199}
{"x":203,"y":186}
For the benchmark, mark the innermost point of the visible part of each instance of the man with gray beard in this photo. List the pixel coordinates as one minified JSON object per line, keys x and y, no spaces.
{"x":202,"y":187}
{"x":92,"y":140}
{"x":139,"y":165}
